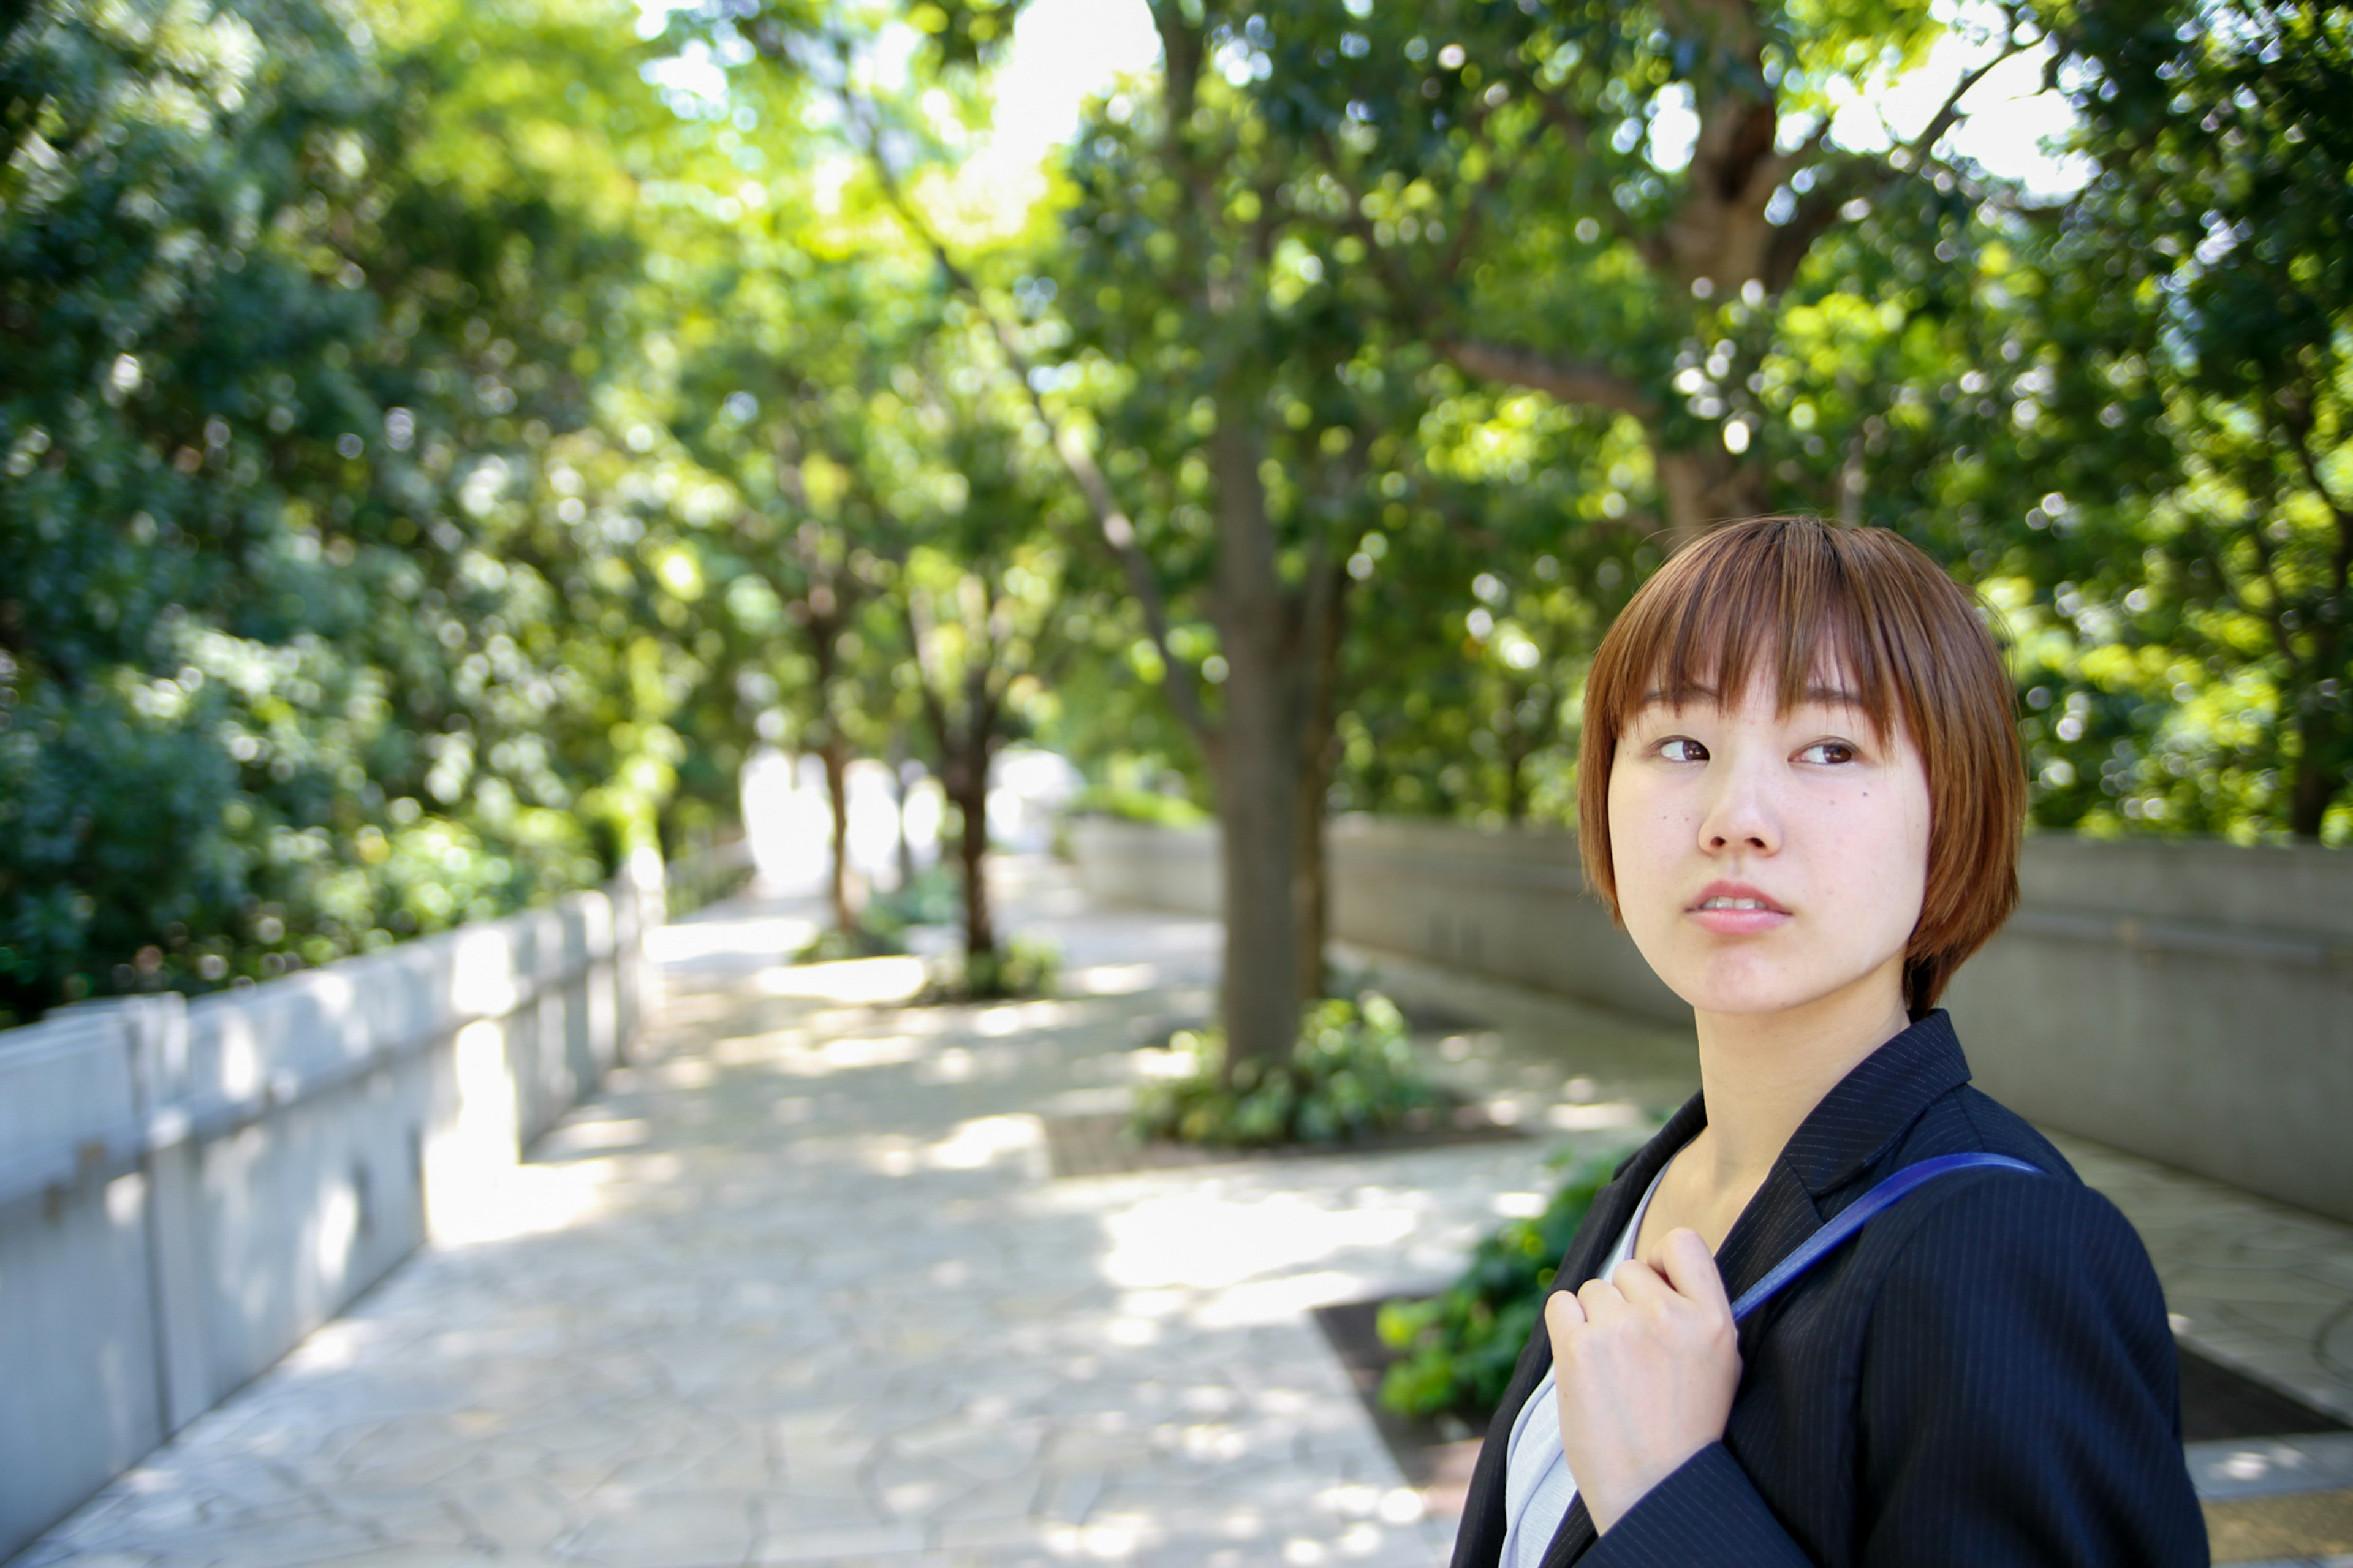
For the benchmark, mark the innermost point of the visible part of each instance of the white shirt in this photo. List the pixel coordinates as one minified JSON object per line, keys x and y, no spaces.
{"x":1537,"y":1487}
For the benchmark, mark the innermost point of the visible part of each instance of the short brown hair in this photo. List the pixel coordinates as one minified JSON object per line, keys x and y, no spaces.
{"x":1906,"y":636}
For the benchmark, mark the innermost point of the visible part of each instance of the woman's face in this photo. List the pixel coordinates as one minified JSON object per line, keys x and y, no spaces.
{"x":1766,"y":861}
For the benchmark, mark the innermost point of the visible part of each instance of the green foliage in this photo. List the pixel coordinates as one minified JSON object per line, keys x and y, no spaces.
{"x":836,"y":943}
{"x":1351,"y":1074}
{"x":1154,"y":807}
{"x":1018,"y":969}
{"x":1456,"y":1349}
{"x":933,"y":899}
{"x":434,"y":451}
{"x":324,"y":615}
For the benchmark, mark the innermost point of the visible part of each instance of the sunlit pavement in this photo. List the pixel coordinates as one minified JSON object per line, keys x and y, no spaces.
{"x":799,"y":1288}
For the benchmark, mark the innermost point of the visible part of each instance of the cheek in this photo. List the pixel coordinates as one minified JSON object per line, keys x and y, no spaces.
{"x":1643,"y":832}
{"x":1882,"y":837}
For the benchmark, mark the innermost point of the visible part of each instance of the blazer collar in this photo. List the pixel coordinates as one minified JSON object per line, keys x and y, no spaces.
{"x":1874,"y":1105}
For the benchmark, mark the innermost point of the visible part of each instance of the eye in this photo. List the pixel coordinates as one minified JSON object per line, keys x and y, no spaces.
{"x":1683,"y":749}
{"x":1828,"y":752}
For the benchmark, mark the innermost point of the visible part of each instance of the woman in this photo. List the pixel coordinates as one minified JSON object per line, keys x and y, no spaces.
{"x":1802,"y":794}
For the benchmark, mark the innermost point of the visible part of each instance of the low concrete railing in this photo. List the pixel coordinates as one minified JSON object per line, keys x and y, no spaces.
{"x":2191,"y":1003}
{"x":186,"y":1189}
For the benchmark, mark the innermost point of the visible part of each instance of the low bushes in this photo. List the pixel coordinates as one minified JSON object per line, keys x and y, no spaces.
{"x":1353,"y":1073}
{"x":1015,"y":970}
{"x":1458,"y":1348}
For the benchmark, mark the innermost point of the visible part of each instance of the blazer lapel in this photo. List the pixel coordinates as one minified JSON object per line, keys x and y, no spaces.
{"x":1841,"y":1140}
{"x":1575,"y":1538}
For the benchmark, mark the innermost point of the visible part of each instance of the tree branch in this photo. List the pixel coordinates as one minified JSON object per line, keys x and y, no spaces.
{"x":1569,"y":380}
{"x":1946,"y":116}
{"x":1117,"y":527}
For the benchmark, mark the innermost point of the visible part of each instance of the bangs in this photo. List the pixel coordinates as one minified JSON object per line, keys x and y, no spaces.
{"x":1793,"y":612}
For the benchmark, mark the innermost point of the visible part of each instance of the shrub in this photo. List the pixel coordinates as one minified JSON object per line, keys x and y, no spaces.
{"x":1353,"y":1073}
{"x":1459,"y":1346}
{"x":1129,"y":804}
{"x":834,"y":944}
{"x":933,"y":899}
{"x":1016,"y":970}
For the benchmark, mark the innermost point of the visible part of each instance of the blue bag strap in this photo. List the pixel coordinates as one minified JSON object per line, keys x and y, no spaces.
{"x":1858,"y":1213}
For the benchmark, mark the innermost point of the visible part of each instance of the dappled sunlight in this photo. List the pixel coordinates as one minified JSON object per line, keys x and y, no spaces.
{"x":1258,"y":1302}
{"x":986,"y":1139}
{"x":1021,"y":1017}
{"x":592,"y":1133}
{"x":537,"y":1199}
{"x":1113,"y":979}
{"x":865,"y":979}
{"x":1603,"y":1116}
{"x":767,"y":937}
{"x":1207,"y":1240}
{"x":847,"y":1053}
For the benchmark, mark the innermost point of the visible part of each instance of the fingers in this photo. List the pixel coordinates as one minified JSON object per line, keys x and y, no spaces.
{"x":1563,"y":1312}
{"x":1601,"y":1301}
{"x":1689,"y":1268}
{"x":1641,"y":1284}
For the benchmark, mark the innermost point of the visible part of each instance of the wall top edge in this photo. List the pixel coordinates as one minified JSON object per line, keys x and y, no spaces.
{"x":347,"y":982}
{"x":2282,"y":889}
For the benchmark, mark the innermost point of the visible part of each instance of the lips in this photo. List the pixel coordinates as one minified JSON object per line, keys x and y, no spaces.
{"x":1738,"y":908}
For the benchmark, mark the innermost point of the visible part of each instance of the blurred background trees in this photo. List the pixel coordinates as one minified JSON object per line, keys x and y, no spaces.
{"x":439,"y":445}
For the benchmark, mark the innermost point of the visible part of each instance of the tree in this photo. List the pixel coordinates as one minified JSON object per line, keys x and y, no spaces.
{"x":781,"y":413}
{"x":1601,"y":202}
{"x":980,"y":589}
{"x":2211,"y":267}
{"x":302,"y":617}
{"x":1232,"y":411}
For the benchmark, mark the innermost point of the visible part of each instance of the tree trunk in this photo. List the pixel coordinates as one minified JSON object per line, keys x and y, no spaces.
{"x":835,"y":756}
{"x":1319,"y":755}
{"x":905,"y":852}
{"x":1310,"y":893}
{"x":972,"y":848}
{"x":2316,"y":778}
{"x":1703,"y":489}
{"x":1515,"y":782}
{"x":1257,"y":760}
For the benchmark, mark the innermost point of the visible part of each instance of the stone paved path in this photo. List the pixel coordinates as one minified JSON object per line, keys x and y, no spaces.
{"x":799,"y":1290}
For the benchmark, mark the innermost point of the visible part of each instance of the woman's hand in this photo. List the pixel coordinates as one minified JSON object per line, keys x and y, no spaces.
{"x":1647,"y":1361}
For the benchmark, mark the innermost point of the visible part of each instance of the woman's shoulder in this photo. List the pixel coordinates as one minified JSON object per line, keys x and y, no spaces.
{"x":1969,"y":1120}
{"x":2001,"y":1234}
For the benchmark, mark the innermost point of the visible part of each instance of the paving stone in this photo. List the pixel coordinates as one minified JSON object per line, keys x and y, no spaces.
{"x":801,"y":1290}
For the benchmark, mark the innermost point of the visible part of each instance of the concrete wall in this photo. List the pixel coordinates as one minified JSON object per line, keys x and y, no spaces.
{"x":188,"y":1189}
{"x":2188,"y":1002}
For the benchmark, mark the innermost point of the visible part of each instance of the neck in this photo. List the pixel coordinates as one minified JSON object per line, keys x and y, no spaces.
{"x":1763,"y":1073}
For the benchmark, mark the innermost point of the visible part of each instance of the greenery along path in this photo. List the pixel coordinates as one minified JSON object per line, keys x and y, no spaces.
{"x":801,"y":1290}
{"x":439,"y":443}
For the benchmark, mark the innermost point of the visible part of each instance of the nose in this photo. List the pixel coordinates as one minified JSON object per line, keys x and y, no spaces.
{"x":1741,"y":813}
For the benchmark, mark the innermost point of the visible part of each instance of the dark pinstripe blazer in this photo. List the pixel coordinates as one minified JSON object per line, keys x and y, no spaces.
{"x":1985,"y":1376}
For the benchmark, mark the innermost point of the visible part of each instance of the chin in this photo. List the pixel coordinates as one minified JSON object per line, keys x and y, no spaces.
{"x":1750,"y":984}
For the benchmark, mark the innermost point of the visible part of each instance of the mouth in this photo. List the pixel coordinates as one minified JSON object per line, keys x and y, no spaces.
{"x":1735,"y":910}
